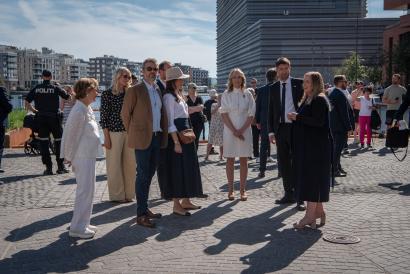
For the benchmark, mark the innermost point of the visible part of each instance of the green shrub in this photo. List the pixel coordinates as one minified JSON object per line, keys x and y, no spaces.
{"x":15,"y":119}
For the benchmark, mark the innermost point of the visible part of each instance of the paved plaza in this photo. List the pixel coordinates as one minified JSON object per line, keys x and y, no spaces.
{"x":256,"y":236}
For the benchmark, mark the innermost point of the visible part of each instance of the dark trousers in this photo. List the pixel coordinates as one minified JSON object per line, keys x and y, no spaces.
{"x":197,"y":128}
{"x":284,"y":145}
{"x":49,"y":124}
{"x":339,"y":140}
{"x":255,"y":137}
{"x":147,"y":162}
{"x":264,"y":150}
{"x":2,"y":133}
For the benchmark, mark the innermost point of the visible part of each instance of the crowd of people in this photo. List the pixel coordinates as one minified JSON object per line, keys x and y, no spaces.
{"x":152,"y":127}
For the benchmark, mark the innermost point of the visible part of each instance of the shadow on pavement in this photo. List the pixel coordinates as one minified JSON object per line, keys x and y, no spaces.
{"x":282,"y":246}
{"x":71,"y":181}
{"x":402,"y":189}
{"x":27,"y":231}
{"x":175,"y":225}
{"x":254,"y":183}
{"x":13,"y":179}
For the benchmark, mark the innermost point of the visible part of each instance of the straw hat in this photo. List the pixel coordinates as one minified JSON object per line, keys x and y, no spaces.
{"x":175,"y":73}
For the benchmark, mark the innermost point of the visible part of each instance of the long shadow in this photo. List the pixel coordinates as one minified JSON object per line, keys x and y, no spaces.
{"x":71,"y":181}
{"x":355,"y":152}
{"x":384,"y":151}
{"x":27,"y":231}
{"x":17,"y":155}
{"x":282,"y":248}
{"x":13,"y":179}
{"x":402,"y":189}
{"x":176,"y":225}
{"x":68,"y":255}
{"x":254,"y":183}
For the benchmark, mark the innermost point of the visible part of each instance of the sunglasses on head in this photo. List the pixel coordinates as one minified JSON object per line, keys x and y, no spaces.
{"x":151,"y":69}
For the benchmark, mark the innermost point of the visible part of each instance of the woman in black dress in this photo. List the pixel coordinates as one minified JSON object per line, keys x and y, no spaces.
{"x":182,"y":167}
{"x":196,"y":107}
{"x":312,"y":150}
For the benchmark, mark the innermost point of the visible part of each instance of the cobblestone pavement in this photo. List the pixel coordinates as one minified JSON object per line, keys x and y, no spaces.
{"x":255,"y":236}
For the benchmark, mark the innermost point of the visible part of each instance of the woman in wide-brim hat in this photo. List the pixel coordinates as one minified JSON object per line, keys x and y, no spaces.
{"x":182,"y":168}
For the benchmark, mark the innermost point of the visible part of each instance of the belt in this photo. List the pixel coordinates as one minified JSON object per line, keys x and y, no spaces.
{"x":156,"y":133}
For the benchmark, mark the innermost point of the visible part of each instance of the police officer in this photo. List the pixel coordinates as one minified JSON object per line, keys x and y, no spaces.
{"x":46,"y":100}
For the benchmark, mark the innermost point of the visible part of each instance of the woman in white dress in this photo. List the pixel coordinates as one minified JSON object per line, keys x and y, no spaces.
{"x":80,"y":146}
{"x":237,"y":110}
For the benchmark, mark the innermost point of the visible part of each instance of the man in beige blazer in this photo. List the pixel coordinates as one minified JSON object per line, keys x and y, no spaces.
{"x":146,"y":124}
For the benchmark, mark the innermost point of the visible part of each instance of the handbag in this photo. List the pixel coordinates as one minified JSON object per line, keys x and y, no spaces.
{"x":397,"y":138}
{"x":186,"y":136}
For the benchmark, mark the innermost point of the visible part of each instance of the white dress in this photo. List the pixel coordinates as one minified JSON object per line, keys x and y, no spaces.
{"x":239,"y":105}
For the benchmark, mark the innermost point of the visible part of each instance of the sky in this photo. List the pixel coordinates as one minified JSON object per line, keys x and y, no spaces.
{"x":176,"y":30}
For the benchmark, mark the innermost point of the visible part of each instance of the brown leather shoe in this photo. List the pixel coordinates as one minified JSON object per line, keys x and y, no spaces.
{"x":152,"y":215}
{"x":145,"y":221}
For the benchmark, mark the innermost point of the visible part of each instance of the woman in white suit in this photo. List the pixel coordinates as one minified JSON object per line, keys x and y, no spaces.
{"x":79,"y":147}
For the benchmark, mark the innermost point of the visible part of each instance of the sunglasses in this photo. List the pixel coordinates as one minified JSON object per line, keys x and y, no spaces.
{"x":126,"y":77}
{"x":149,"y":69}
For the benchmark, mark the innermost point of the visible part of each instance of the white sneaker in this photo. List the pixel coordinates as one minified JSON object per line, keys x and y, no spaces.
{"x":271,"y":160}
{"x":87,"y":234}
{"x":257,"y":160}
{"x":92,"y":228}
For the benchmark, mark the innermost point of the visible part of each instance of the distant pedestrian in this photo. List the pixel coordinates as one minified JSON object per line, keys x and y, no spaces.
{"x":5,"y":109}
{"x":216,"y":129}
{"x":207,"y":111}
{"x":237,"y":111}
{"x":255,"y":130}
{"x":261,"y":117}
{"x":79,"y":147}
{"x":340,"y":123}
{"x":120,"y":159}
{"x":182,"y":169}
{"x":196,"y":107}
{"x":312,"y":150}
{"x":161,"y":78}
{"x":356,"y":108}
{"x":67,"y":105}
{"x":366,"y":107}
{"x":392,"y":97}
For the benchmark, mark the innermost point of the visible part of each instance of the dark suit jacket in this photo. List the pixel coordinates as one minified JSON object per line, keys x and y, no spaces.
{"x":5,"y":106}
{"x":161,"y":86}
{"x":404,"y":105}
{"x":262,"y":103}
{"x":275,"y":102}
{"x":339,"y":116}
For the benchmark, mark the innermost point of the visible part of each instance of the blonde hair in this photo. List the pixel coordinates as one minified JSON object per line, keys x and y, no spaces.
{"x":230,"y":83}
{"x":318,"y":87}
{"x":83,"y":85}
{"x":115,"y":80}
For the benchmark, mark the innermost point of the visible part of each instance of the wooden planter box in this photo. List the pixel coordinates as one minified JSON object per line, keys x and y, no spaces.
{"x":17,"y":137}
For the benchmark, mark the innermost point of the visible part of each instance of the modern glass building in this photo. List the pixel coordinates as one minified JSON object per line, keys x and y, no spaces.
{"x":314,"y":34}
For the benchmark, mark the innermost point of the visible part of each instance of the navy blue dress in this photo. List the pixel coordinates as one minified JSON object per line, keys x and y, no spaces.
{"x":312,"y":151}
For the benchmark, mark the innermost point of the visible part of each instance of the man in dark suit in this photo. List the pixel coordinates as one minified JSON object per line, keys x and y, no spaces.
{"x":284,"y":97}
{"x":5,"y":109}
{"x":162,"y":68}
{"x":340,"y":121}
{"x":261,"y":116}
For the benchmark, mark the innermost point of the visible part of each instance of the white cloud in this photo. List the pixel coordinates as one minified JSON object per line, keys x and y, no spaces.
{"x":90,"y":29}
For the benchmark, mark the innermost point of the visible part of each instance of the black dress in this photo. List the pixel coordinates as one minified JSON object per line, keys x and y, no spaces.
{"x":182,"y":169}
{"x":196,"y":118}
{"x":312,"y":151}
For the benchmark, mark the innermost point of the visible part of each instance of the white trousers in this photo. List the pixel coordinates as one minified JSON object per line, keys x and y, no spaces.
{"x":84,"y":170}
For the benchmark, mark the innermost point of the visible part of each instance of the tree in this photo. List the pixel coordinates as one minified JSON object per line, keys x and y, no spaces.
{"x":353,"y":68}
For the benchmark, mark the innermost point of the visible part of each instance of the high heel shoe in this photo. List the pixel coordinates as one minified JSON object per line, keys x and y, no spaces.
{"x":244,"y":197}
{"x":301,"y":225}
{"x":322,"y":220}
{"x":231,"y":195}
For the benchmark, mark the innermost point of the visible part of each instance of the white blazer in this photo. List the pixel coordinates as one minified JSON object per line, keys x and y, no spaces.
{"x":81,"y":137}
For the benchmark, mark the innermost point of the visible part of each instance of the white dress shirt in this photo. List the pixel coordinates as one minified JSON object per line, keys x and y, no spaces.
{"x":174,"y":110}
{"x":289,"y":105}
{"x":156,"y":106}
{"x":81,"y":137}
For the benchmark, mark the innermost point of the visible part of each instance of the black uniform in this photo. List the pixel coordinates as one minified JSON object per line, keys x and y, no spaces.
{"x":46,"y":100}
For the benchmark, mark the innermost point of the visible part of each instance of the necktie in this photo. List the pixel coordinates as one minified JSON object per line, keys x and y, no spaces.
{"x":283,"y":103}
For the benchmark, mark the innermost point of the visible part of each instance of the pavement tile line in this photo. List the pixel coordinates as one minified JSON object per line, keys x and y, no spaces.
{"x":370,"y":260}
